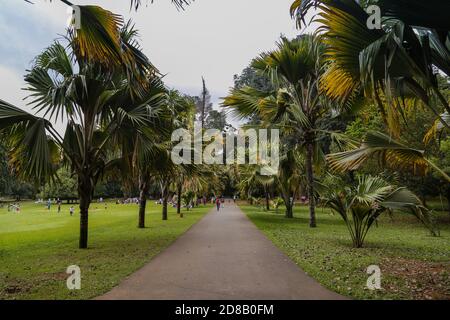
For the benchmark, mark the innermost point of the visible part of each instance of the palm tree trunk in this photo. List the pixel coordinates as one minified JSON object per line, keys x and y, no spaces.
{"x":143,"y":186}
{"x":289,"y":211}
{"x":287,"y":202}
{"x":310,"y":179}
{"x":180,"y":189}
{"x":203,"y":102}
{"x":164,"y":210}
{"x":165,"y":196}
{"x":85,"y":190}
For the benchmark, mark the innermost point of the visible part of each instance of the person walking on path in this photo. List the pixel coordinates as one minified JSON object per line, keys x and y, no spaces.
{"x":218,"y":203}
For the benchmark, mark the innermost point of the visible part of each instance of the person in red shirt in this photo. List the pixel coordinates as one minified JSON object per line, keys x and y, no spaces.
{"x":218,"y":203}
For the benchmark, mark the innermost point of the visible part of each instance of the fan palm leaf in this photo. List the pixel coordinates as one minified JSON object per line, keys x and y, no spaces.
{"x":437,"y":128}
{"x":32,"y":152}
{"x":389,"y":153}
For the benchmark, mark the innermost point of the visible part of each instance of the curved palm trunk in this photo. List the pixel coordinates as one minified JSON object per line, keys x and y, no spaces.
{"x":143,"y":187}
{"x":85,"y":190}
{"x":310,"y":179}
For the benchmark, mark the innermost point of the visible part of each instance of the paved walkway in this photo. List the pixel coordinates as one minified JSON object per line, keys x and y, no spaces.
{"x":222,"y":257}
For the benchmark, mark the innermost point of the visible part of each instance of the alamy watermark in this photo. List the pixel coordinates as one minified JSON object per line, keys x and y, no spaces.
{"x":74,"y":280}
{"x":374,"y":20}
{"x":374,"y":281}
{"x":261,"y":147}
{"x":74,"y":19}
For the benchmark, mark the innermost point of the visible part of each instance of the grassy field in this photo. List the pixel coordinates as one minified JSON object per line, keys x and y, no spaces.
{"x":36,"y":247}
{"x":414,"y":265}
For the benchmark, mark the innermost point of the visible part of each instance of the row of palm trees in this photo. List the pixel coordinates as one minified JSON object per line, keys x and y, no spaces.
{"x":318,"y":78}
{"x":119,"y":117}
{"x":111,"y":94}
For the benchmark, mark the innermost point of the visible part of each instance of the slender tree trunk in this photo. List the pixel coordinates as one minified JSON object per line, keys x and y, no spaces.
{"x":203,"y":102}
{"x":143,"y":186}
{"x":164,"y":210}
{"x":85,"y":189}
{"x":287,"y":202}
{"x":289,"y":211}
{"x":448,"y":199}
{"x":267,"y":201}
{"x":310,"y":179}
{"x":165,"y":196}
{"x":179,"y":191}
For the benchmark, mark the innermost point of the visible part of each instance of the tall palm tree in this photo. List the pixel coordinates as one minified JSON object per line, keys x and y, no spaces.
{"x":93,"y":99}
{"x":297,"y":103}
{"x":289,"y":179}
{"x":181,"y":110}
{"x":140,"y":149}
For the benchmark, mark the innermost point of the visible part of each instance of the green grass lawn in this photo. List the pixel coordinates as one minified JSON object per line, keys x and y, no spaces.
{"x":36,"y":247}
{"x":414,"y":265}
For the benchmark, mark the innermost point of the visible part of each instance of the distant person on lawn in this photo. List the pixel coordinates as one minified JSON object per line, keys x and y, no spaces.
{"x":72,"y":210}
{"x":218,"y":203}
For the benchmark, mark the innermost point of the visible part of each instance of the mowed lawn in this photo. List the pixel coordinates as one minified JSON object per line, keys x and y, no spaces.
{"x":37,"y":246}
{"x":414,"y":265}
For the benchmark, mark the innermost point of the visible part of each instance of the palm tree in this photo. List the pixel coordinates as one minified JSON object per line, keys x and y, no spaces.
{"x":93,"y":99}
{"x":360,"y":205}
{"x":251,"y":181}
{"x":141,"y":148}
{"x":394,"y":66}
{"x":297,"y":103}
{"x":289,"y":179}
{"x":181,"y":110}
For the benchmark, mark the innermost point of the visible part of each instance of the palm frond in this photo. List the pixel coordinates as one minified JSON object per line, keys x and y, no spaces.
{"x":389,"y":153}
{"x":437,"y":128}
{"x":98,"y":38}
{"x":33,"y":154}
{"x":371,"y":189}
{"x":245,"y":102}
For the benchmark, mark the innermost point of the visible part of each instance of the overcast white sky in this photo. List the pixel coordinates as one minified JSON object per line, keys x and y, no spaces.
{"x":211,"y":38}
